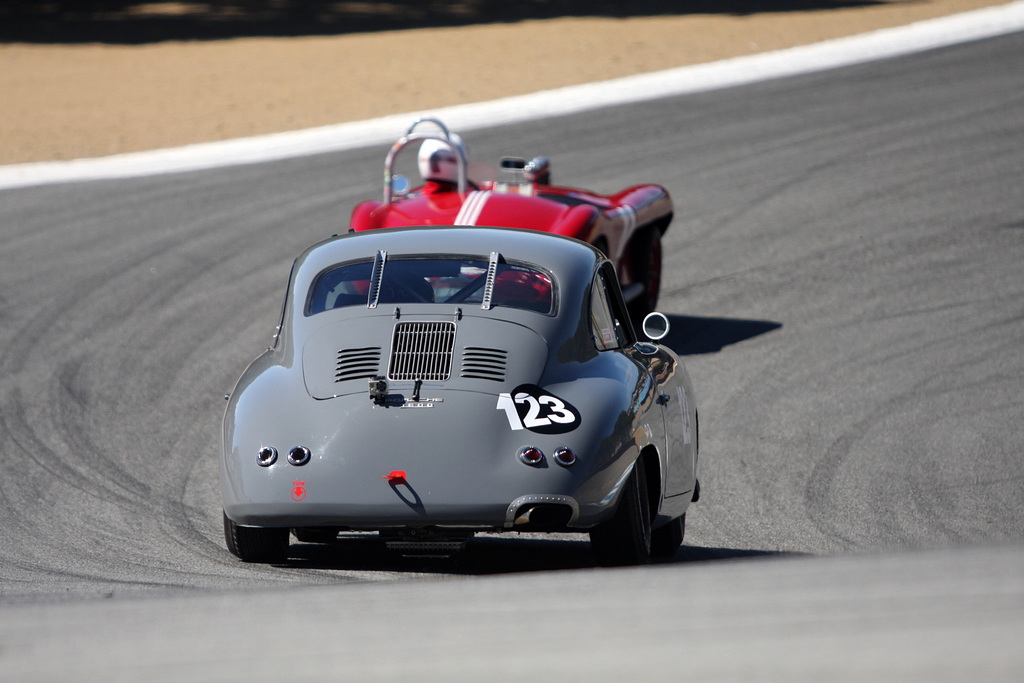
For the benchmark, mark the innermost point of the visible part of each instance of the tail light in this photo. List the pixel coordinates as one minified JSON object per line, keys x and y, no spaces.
{"x":267,"y":456}
{"x":531,"y":455}
{"x":564,"y":456}
{"x":299,"y":456}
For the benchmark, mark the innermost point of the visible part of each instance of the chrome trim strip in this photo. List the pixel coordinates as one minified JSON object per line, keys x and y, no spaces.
{"x":492,"y":270}
{"x":375,"y":279}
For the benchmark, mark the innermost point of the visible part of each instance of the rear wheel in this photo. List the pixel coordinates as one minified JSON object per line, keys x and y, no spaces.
{"x":256,"y":544}
{"x":647,"y":265}
{"x":665,"y":540}
{"x":626,"y":537}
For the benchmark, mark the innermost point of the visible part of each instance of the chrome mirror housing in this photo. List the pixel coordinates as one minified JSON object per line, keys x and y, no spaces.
{"x":399,"y":186}
{"x":655,"y":326}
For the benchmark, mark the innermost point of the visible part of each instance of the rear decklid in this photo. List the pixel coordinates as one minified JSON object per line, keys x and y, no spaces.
{"x":481,"y":354}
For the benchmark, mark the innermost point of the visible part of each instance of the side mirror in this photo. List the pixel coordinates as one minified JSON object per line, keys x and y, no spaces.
{"x":399,"y":185}
{"x":655,"y":326}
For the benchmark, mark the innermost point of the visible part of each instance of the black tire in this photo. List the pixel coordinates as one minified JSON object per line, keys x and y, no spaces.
{"x":626,"y":537}
{"x":647,"y":267}
{"x":665,"y":540}
{"x":256,"y":544}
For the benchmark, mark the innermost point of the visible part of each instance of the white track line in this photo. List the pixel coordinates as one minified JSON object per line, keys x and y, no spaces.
{"x":882,"y":44}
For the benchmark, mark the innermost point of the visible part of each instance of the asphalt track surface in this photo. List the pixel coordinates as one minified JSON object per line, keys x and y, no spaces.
{"x":845,"y":281}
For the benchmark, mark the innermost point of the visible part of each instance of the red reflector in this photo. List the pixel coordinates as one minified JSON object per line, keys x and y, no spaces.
{"x":531,"y":455}
{"x":565,"y":457}
{"x":396,"y":477}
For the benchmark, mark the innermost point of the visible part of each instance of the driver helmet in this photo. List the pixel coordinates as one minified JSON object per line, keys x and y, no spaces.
{"x":438,"y":161}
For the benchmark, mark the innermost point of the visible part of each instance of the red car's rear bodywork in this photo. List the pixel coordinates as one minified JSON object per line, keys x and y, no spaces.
{"x":627,"y":225}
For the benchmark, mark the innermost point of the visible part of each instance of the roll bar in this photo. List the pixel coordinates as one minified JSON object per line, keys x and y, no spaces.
{"x":410,"y":137}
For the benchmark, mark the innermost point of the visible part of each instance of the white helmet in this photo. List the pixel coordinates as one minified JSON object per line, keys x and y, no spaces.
{"x":438,"y":161}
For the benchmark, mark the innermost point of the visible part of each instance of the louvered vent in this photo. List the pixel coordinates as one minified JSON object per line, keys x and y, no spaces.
{"x":482,"y":363}
{"x":422,"y":350}
{"x":357,"y":364}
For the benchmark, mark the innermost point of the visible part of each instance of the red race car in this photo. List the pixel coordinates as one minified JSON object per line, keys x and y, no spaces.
{"x":627,"y":225}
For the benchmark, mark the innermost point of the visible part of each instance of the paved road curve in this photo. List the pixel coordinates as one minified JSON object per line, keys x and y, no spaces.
{"x":845,"y":278}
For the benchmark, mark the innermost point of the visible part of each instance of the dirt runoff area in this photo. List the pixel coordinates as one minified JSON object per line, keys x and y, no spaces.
{"x":76,"y":100}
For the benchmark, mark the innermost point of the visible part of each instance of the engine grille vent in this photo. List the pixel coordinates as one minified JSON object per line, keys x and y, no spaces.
{"x":421,"y":350}
{"x":483,"y":363}
{"x":357,"y":364}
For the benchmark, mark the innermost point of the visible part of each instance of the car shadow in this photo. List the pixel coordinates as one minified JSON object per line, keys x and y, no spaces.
{"x":485,"y":555}
{"x":134,"y":22}
{"x":693,"y":335}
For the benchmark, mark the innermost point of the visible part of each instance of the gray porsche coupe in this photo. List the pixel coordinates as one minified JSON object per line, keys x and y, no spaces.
{"x":429,"y":383}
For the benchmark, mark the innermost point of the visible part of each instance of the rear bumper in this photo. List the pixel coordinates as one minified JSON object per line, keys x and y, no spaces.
{"x":532,"y":511}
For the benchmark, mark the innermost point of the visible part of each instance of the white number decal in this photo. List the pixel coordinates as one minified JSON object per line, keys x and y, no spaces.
{"x":528,"y":407}
{"x":505,"y":403}
{"x":558,"y":412}
{"x":533,"y":418}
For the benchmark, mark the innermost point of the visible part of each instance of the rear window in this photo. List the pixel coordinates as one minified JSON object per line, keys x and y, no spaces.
{"x":433,"y":281}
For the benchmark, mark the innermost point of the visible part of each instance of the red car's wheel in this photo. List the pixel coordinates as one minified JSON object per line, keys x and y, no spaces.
{"x":647,"y":266}
{"x":652,"y":284}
